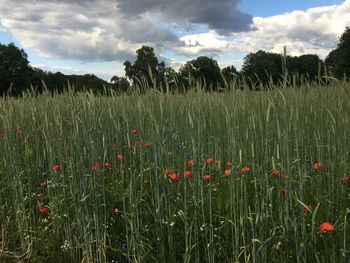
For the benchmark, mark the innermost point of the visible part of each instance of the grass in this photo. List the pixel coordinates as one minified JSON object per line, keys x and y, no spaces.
{"x":241,"y":217}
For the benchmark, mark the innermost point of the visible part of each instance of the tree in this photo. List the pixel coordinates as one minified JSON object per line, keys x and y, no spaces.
{"x":338,"y":60}
{"x":201,"y":69}
{"x":305,"y":66}
{"x":14,"y":69}
{"x":144,"y":68}
{"x":120,"y":84}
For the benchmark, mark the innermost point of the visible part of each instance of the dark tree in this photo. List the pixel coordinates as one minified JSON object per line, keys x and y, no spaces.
{"x":201,"y":69}
{"x":338,"y":60}
{"x":15,"y":71}
{"x":120,"y":84}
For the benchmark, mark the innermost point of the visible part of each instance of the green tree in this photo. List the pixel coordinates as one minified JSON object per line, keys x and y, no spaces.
{"x":120,"y":84}
{"x":15,"y":71}
{"x":204,"y":69}
{"x":338,"y":60}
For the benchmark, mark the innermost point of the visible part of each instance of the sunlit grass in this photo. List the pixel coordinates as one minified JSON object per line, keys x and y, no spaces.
{"x":239,"y":217}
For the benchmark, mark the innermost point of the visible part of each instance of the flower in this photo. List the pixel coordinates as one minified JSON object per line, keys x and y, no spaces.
{"x":229,"y":164}
{"x":190,"y":162}
{"x":210,"y":160}
{"x":227,"y":172}
{"x":188,"y":173}
{"x":346,"y":178}
{"x":173,"y":177}
{"x":134,"y":131}
{"x":94,"y":168}
{"x":42,"y":184}
{"x":120,"y":157}
{"x":307,"y":209}
{"x":318,"y":166}
{"x":245,"y":170}
{"x":326,"y":227}
{"x":44,"y":211}
{"x":114,"y":148}
{"x":108,"y":165}
{"x":116,"y":211}
{"x":206,"y":177}
{"x":137,"y":143}
{"x":168,"y":171}
{"x":56,"y":168}
{"x":146,"y":181}
{"x":147,"y":145}
{"x":276,"y":172}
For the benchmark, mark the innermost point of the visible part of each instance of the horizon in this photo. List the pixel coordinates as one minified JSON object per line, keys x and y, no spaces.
{"x":79,"y":37}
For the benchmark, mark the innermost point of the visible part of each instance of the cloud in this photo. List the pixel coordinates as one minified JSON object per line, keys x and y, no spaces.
{"x":221,"y":16}
{"x":314,"y":31}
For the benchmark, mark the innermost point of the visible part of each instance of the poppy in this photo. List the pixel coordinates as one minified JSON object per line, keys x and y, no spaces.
{"x":56,"y":168}
{"x":44,"y":211}
{"x":134,"y":131}
{"x":346,"y":178}
{"x":173,"y":177}
{"x":210,"y":160}
{"x":318,"y":166}
{"x":147,"y":145}
{"x":306,"y":209}
{"x":206,"y":177}
{"x":188,"y":173}
{"x":276,"y":172}
{"x":120,"y":157}
{"x":137,"y":143}
{"x":168,"y":171}
{"x":326,"y":227}
{"x":146,"y":181}
{"x":227,"y":172}
{"x":190,"y":162}
{"x":94,"y":168}
{"x":42,"y":184}
{"x":116,"y":211}
{"x":114,"y":148}
{"x":229,"y":164}
{"x":245,"y":170}
{"x":108,"y":165}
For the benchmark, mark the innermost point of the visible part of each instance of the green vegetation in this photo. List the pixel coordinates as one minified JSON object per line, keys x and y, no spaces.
{"x":108,"y":178}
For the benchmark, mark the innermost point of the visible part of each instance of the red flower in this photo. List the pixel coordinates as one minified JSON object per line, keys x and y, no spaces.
{"x":306,"y":209}
{"x":318,"y":166}
{"x":210,"y":160}
{"x":108,"y":165}
{"x":44,"y":211}
{"x":346,"y":178}
{"x":188,"y":173}
{"x":134,"y":131}
{"x":245,"y":170}
{"x":146,"y":181}
{"x":190,"y":162}
{"x":168,"y":171}
{"x":56,"y":168}
{"x":173,"y":177}
{"x":276,"y":172}
{"x":137,"y":143}
{"x":120,"y":157}
{"x":147,"y":145}
{"x":229,"y":164}
{"x":94,"y":168}
{"x":206,"y":177}
{"x":326,"y":227}
{"x":116,"y":211}
{"x":227,"y":172}
{"x":114,"y":148}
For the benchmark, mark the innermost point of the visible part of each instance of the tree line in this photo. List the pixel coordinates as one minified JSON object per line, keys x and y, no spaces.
{"x":260,"y":70}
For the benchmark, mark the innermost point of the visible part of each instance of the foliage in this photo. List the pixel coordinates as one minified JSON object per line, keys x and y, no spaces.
{"x":338,"y":60}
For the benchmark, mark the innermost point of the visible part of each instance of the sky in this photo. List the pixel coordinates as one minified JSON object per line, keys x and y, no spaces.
{"x":97,"y":36}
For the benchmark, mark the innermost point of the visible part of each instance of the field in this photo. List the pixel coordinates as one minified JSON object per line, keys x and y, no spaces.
{"x":236,"y":176}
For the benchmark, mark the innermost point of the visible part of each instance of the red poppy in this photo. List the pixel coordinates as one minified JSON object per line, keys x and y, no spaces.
{"x":173,"y":177}
{"x":346,"y":178}
{"x":120,"y":157}
{"x":190,"y":162}
{"x":188,"y":173}
{"x":245,"y":170}
{"x":307,"y":209}
{"x":206,"y":177}
{"x":94,"y":168}
{"x":227,"y":172}
{"x":318,"y":166}
{"x":229,"y":164}
{"x":114,"y":148}
{"x":210,"y":160}
{"x":137,"y":143}
{"x":147,"y":145}
{"x":134,"y":131}
{"x":168,"y":171}
{"x":326,"y":227}
{"x":44,"y":211}
{"x":108,"y":165}
{"x":276,"y":172}
{"x":56,"y":168}
{"x":116,"y":211}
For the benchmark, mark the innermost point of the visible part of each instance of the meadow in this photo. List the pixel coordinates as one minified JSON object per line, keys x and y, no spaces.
{"x":234,"y":176}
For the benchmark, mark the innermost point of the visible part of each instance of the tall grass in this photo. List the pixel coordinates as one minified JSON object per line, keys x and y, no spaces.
{"x":251,"y":217}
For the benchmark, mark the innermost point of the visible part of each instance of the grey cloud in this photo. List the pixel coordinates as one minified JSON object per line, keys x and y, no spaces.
{"x":220,"y":15}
